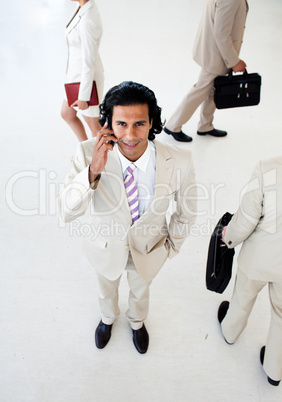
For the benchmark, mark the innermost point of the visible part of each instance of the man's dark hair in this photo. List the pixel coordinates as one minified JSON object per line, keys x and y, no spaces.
{"x":130,"y":93}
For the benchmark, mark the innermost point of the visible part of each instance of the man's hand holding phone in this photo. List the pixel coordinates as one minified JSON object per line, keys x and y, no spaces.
{"x":104,"y":143}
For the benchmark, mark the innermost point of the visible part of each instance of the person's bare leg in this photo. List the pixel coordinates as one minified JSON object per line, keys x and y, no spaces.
{"x":93,"y":123}
{"x":70,"y":116}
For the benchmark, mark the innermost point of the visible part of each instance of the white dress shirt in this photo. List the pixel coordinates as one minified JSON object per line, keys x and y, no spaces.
{"x":144,"y":174}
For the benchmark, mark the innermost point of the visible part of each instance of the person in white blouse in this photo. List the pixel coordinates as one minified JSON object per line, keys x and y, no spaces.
{"x":83,"y":35}
{"x":130,"y":118}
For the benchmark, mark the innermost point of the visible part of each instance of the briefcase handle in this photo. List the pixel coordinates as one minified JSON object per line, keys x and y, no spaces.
{"x":230,"y":75}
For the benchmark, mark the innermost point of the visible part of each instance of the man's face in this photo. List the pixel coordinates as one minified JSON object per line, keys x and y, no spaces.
{"x":131,"y":126}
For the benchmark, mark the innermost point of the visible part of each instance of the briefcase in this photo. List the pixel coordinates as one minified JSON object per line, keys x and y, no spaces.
{"x":237,"y":90}
{"x":220,"y":258}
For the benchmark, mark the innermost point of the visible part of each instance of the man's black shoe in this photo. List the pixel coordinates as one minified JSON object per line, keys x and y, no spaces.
{"x":141,"y":339}
{"x":222,"y":310}
{"x":261,"y":356}
{"x":214,"y":133}
{"x":179,"y":135}
{"x":102,"y":334}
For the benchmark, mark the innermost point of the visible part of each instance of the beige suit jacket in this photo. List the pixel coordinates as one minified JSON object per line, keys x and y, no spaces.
{"x":150,"y":239}
{"x":258,"y":224}
{"x":220,"y":34}
{"x":83,"y":35}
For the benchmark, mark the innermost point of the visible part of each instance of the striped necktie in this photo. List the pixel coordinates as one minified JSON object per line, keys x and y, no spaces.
{"x":131,"y":192}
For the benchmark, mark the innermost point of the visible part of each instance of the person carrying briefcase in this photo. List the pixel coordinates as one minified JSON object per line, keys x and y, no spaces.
{"x":258,"y":225}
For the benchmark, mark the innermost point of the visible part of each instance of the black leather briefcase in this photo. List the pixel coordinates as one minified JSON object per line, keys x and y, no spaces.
{"x":237,"y":90}
{"x":220,"y":258}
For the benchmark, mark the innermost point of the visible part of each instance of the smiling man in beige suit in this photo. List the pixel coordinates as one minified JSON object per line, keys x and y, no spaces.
{"x":258,"y":224}
{"x":216,"y":50}
{"x":135,"y":234}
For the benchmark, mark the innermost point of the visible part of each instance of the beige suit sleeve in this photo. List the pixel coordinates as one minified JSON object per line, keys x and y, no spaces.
{"x":186,"y":210}
{"x":75,"y":197}
{"x":246,"y":219}
{"x":223,"y":24}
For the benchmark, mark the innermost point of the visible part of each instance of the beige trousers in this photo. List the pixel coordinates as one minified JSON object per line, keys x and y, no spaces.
{"x":200,"y":93}
{"x":241,"y":304}
{"x":138,"y":300}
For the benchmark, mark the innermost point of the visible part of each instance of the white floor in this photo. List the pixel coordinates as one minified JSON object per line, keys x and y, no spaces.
{"x":49,"y":309}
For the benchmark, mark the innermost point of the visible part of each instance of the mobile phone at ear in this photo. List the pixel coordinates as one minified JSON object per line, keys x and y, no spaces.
{"x":108,"y":120}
